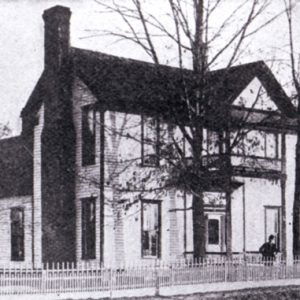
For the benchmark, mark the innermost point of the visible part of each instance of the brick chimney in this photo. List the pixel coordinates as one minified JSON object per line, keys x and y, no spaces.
{"x":58,"y":142}
{"x":57,"y":36}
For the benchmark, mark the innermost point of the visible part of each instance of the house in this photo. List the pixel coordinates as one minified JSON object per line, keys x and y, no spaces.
{"x":66,"y":185}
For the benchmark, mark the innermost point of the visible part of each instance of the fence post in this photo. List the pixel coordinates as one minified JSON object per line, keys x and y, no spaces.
{"x":110,"y":283}
{"x":156,"y":274}
{"x":245,"y":266}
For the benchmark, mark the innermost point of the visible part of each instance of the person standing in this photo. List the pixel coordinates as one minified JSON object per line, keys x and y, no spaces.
{"x":268,"y":250}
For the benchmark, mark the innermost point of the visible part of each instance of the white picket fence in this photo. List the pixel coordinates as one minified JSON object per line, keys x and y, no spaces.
{"x":70,"y":278}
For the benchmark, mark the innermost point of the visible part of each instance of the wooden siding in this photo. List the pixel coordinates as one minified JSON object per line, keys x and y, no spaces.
{"x":37,"y":190}
{"x":6,"y":204}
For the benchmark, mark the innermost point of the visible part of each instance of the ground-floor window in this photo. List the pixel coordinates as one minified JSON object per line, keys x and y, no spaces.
{"x":17,"y":233}
{"x":151,"y":216}
{"x":88,"y":228}
{"x":272,"y":223}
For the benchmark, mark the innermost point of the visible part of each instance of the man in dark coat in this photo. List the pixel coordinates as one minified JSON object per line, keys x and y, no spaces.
{"x":268,"y":250}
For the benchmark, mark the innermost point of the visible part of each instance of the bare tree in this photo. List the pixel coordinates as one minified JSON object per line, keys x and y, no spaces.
{"x":4,"y":131}
{"x":187,"y":26}
{"x":294,"y":64}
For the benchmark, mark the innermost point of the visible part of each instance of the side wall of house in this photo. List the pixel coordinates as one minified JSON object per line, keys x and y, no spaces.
{"x":122,"y":235}
{"x":6,"y":204}
{"x":289,"y":191}
{"x":88,"y":183}
{"x":37,"y":189}
{"x":88,"y":176}
{"x":130,"y":183}
{"x":249,"y":203}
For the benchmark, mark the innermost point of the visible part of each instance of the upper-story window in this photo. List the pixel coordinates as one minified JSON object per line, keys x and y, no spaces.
{"x":17,"y":233}
{"x":212,"y":142}
{"x":88,"y":135}
{"x":150,"y":141}
{"x":256,"y":143}
{"x":151,"y":216}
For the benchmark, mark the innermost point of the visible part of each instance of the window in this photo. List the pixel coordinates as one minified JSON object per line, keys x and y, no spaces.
{"x":150,"y":229}
{"x":271,"y":145}
{"x":88,"y":135}
{"x":88,"y":228}
{"x":213,"y":232}
{"x":17,"y":233}
{"x":237,"y":143}
{"x":150,"y":141}
{"x":256,"y":143}
{"x":213,"y":142}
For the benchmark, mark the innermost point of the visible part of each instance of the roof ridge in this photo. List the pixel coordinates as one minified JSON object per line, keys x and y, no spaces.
{"x":121,"y":58}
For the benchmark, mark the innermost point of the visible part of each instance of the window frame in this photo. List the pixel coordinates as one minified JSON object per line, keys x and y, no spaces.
{"x":156,"y":155}
{"x":218,"y":232}
{"x":277,"y":151}
{"x":158,"y":203}
{"x":85,"y":253}
{"x":218,"y":145}
{"x":88,"y":154}
{"x":279,"y":220}
{"x":18,"y":235}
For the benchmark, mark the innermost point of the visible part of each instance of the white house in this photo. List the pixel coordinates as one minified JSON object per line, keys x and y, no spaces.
{"x":84,"y":180}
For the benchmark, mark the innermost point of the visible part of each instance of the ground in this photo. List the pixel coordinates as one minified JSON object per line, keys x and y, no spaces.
{"x":274,"y":293}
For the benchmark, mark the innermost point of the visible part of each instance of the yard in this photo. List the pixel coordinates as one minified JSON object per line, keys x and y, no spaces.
{"x":287,"y":292}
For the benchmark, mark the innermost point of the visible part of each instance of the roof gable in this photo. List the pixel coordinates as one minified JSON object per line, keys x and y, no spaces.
{"x":255,"y":96}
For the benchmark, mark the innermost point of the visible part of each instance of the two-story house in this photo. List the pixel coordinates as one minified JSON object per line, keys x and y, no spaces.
{"x":84,"y":180}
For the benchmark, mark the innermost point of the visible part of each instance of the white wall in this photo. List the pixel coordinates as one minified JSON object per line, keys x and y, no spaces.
{"x":289,"y":194}
{"x":87,"y":177}
{"x":37,"y":187}
{"x":258,"y":194}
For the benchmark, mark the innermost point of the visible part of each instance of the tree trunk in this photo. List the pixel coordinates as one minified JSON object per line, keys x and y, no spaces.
{"x":296,"y":208}
{"x":228,"y":224}
{"x":199,"y":230}
{"x":227,"y":172}
{"x":283,"y":198}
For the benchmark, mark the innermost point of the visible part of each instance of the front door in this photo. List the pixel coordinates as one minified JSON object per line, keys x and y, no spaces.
{"x":272,"y":224}
{"x":215,"y":232}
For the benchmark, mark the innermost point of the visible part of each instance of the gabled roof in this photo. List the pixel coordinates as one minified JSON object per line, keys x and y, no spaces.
{"x":35,"y":100}
{"x":127,"y":83}
{"x":16,"y":168}
{"x":235,"y":79}
{"x":136,"y":86}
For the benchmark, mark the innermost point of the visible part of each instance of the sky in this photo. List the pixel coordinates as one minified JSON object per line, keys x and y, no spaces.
{"x":22,"y":40}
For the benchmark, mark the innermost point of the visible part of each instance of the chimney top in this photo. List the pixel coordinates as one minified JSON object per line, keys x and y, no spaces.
{"x":57,"y":12}
{"x":57,"y":36}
